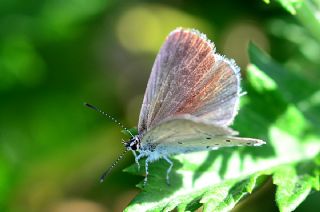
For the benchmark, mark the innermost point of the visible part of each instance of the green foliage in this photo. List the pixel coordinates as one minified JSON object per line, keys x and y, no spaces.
{"x":220,"y":179}
{"x":289,"y":5}
{"x":306,"y":12}
{"x":294,"y":182}
{"x":56,"y":54}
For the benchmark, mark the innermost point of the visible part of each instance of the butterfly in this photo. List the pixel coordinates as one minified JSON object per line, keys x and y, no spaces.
{"x":191,"y":99}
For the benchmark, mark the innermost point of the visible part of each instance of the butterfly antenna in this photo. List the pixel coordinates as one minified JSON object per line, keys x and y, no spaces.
{"x":107,"y":172}
{"x":108,"y":116}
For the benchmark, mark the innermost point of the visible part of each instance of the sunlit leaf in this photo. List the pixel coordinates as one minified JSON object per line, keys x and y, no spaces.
{"x":220,"y":179}
{"x":294,"y":183}
{"x":290,"y":5}
{"x":307,"y":100}
{"x":306,"y":11}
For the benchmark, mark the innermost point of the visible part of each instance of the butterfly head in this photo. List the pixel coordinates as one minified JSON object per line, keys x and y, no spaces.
{"x":133,"y":143}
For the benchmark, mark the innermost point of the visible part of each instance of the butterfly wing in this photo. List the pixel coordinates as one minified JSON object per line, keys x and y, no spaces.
{"x":189,"y":133}
{"x":189,"y":78}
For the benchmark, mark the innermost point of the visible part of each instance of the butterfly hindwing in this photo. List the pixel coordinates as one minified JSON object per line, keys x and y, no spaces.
{"x":190,"y":133}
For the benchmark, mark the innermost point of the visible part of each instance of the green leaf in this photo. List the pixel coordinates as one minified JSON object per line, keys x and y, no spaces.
{"x":225,"y":196}
{"x":294,"y":183}
{"x":220,"y":179}
{"x":307,"y":14}
{"x":306,"y":11}
{"x":289,"y":85}
{"x":290,"y":5}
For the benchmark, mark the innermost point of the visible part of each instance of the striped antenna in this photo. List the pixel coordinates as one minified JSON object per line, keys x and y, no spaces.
{"x":107,"y":172}
{"x":108,"y":116}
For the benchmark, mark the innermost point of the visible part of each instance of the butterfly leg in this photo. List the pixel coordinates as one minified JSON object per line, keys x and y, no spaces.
{"x":147,"y":172}
{"x":169,"y":169}
{"x":136,"y":158}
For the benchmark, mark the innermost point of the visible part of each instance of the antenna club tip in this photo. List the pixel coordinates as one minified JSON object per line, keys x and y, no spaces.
{"x":89,"y":106}
{"x":101,"y":180}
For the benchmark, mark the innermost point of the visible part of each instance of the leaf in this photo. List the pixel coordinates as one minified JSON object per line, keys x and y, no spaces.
{"x":294,"y":183}
{"x":290,"y":5}
{"x":225,"y":196}
{"x":306,"y":11}
{"x":218,"y":180}
{"x":289,"y":84}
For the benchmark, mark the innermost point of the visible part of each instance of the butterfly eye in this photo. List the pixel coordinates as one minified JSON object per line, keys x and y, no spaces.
{"x":134,"y":147}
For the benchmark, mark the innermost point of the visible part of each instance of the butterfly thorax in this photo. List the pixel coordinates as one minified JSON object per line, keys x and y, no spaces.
{"x":133,"y":143}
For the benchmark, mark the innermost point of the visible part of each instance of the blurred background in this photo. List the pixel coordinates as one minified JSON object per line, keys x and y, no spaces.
{"x":55,"y":55}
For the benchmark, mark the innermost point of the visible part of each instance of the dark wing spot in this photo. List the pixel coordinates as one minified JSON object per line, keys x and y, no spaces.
{"x":208,"y":147}
{"x":216,"y":144}
{"x":208,"y":138}
{"x":227,"y":140}
{"x":248,"y":143}
{"x":179,"y":142}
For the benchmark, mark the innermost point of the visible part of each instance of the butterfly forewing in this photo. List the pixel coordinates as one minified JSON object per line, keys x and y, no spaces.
{"x":189,"y":78}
